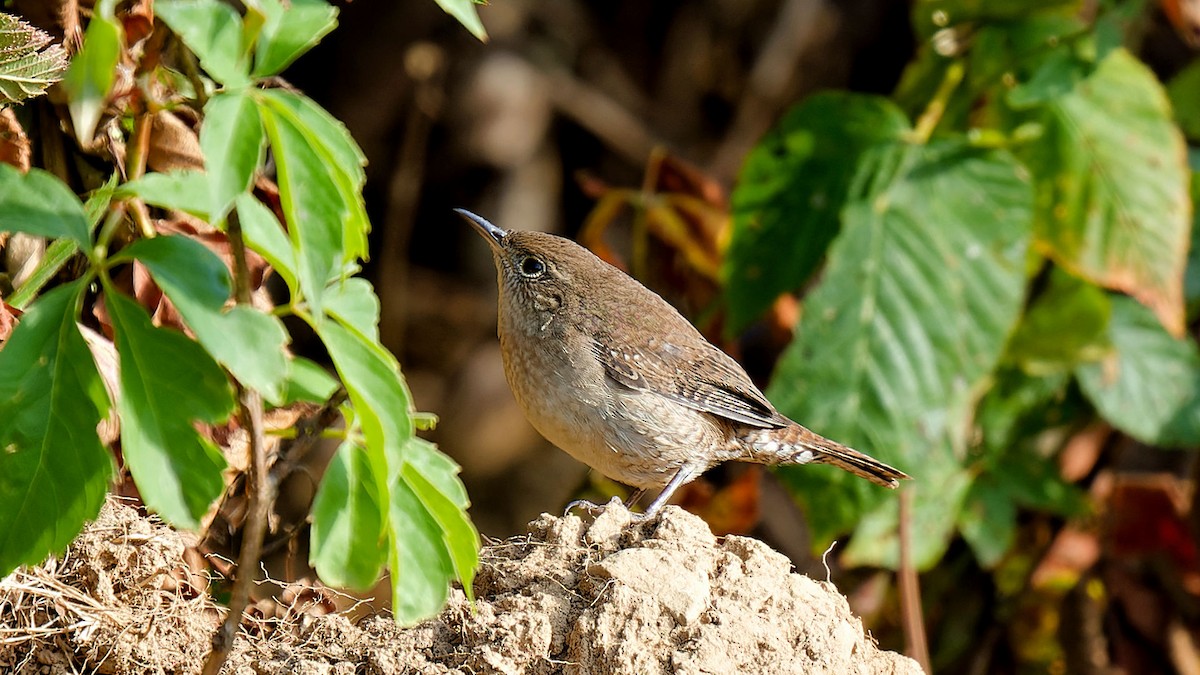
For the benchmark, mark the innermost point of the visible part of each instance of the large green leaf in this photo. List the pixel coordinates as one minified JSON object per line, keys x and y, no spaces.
{"x":38,"y":203}
{"x":232,"y":141}
{"x":289,"y":32}
{"x":921,"y":290}
{"x":167,"y":382}
{"x":1112,"y":186}
{"x":791,"y":192}
{"x":1149,"y":387}
{"x":53,"y":470}
{"x":1067,"y":324}
{"x":29,"y":60}
{"x":90,"y":75}
{"x":349,"y":543}
{"x":247,"y":341}
{"x":213,"y":31}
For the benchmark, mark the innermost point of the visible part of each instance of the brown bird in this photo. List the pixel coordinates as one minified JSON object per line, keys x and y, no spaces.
{"x":611,"y":373}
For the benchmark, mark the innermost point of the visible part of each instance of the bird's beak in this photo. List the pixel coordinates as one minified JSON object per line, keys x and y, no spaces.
{"x":494,"y":235}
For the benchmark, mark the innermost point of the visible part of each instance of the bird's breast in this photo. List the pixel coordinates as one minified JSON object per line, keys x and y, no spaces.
{"x":635,"y":437}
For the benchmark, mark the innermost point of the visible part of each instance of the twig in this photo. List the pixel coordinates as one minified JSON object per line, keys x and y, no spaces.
{"x":135,"y":165}
{"x":910,"y":590}
{"x":933,"y":112}
{"x":258,"y":483}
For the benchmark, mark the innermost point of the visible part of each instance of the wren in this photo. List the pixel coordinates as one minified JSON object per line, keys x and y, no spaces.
{"x":612,"y":374}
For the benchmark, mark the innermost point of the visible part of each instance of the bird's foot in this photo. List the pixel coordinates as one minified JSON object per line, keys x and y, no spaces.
{"x":591,"y":508}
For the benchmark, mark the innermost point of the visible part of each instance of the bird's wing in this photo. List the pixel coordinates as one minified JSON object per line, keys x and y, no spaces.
{"x":702,"y":378}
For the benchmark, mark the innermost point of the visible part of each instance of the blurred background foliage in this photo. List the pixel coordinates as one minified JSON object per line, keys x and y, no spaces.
{"x":956,"y":234}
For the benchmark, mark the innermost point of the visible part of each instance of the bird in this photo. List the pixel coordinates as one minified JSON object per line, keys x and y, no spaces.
{"x":612,"y":374}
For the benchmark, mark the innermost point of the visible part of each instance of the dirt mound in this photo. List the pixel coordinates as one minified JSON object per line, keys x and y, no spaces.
{"x":572,"y":597}
{"x":120,"y":601}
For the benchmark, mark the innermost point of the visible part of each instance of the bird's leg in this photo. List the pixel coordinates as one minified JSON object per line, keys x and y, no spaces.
{"x":685,"y":474}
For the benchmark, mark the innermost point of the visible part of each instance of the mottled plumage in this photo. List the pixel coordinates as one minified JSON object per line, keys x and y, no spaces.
{"x":611,"y":373}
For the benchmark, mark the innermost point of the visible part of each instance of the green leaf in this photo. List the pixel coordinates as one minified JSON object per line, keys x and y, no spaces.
{"x":988,"y":521}
{"x":288,"y":33}
{"x":421,"y":566}
{"x":333,"y":145}
{"x":53,"y":470}
{"x":376,"y":389}
{"x":791,"y":192}
{"x":1112,"y":189}
{"x":213,"y":31}
{"x":1184,"y":92}
{"x":1019,"y":406}
{"x":1065,"y":326}
{"x":38,"y":203}
{"x":186,"y":191}
{"x":90,"y":76}
{"x":250,"y":343}
{"x":167,"y":382}
{"x":29,"y":60}
{"x":354,"y":303}
{"x":96,"y":206}
{"x":307,"y":382}
{"x":918,"y":298}
{"x":349,"y":544}
{"x":930,"y":16}
{"x":312,"y":204}
{"x":232,"y":140}
{"x":265,"y":236}
{"x":467,"y":15}
{"x":1149,"y":387}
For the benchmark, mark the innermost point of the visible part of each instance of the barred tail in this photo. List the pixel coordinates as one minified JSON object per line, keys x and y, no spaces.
{"x":794,"y":444}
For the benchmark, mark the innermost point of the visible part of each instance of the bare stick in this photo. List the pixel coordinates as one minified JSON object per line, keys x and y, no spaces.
{"x":911,"y":616}
{"x":258,"y":481}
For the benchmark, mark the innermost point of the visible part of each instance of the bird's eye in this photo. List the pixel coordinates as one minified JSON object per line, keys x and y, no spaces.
{"x":532,"y":267}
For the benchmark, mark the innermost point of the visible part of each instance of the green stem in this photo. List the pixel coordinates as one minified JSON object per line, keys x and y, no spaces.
{"x":933,"y":112}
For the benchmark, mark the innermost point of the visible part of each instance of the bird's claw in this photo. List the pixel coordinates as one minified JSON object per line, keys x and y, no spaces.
{"x":592,"y":508}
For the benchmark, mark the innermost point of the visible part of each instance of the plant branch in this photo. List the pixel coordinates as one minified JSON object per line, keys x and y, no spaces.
{"x":933,"y":112}
{"x":911,"y":616}
{"x":260,"y":486}
{"x":135,"y":166}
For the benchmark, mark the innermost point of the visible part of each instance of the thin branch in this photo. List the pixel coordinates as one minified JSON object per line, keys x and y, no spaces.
{"x":258,"y":481}
{"x":933,"y":112}
{"x":911,"y":616}
{"x":135,"y":166}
